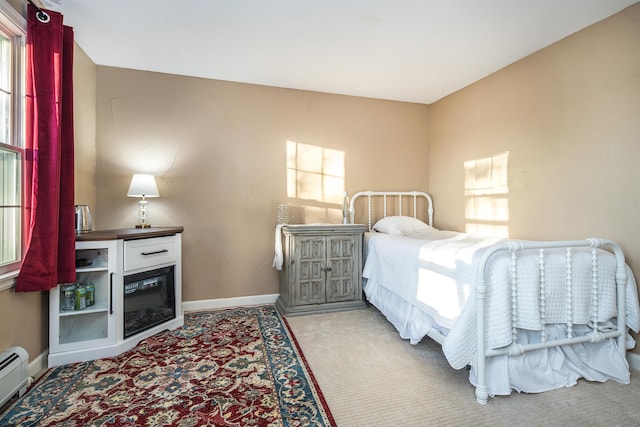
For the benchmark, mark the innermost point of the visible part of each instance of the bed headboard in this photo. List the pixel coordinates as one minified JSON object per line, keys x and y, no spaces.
{"x":413,"y":196}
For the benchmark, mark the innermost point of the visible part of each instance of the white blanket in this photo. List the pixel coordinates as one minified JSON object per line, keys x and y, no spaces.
{"x":436,"y":271}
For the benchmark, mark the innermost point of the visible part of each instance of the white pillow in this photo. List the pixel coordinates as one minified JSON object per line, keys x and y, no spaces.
{"x":401,"y":225}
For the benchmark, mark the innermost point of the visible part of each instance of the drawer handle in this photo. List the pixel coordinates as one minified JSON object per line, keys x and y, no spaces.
{"x":111,"y":293}
{"x":156,"y":252}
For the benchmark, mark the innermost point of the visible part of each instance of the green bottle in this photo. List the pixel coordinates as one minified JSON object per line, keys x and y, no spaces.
{"x":81,"y":295}
{"x":90,"y":296}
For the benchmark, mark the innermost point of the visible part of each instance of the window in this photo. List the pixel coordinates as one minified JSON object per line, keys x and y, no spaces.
{"x":12,"y":34}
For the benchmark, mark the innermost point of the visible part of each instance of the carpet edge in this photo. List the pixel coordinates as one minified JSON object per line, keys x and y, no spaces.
{"x":307,"y":368}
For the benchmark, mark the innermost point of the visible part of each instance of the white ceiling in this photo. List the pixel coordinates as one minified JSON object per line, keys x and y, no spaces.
{"x":405,"y":50}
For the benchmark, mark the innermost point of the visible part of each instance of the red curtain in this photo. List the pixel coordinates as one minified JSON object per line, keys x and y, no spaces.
{"x":48,"y":171}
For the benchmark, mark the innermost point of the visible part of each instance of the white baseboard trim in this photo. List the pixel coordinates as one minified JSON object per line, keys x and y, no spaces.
{"x":634,"y":361}
{"x":211,"y":304}
{"x":38,"y":365}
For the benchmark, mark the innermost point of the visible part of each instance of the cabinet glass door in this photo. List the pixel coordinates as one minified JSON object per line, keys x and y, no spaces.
{"x":83,"y":311}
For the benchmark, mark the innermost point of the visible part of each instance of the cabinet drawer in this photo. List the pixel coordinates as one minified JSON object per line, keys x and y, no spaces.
{"x":149,"y":252}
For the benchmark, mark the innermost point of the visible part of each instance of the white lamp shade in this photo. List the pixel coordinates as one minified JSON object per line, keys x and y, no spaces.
{"x":143,"y":186}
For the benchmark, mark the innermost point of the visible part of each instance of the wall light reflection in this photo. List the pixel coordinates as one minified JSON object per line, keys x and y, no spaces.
{"x":315,"y":173}
{"x":487,"y":196}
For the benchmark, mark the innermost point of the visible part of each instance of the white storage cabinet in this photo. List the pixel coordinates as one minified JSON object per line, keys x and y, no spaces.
{"x":97,"y":330}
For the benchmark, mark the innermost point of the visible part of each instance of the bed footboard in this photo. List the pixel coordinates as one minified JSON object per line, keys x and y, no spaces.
{"x":513,"y":248}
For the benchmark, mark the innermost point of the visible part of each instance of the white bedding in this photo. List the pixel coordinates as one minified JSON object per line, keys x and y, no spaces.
{"x":426,"y":280}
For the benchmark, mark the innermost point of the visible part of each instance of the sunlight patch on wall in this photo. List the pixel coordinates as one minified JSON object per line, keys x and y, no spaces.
{"x":315,"y":173}
{"x":487,"y":196}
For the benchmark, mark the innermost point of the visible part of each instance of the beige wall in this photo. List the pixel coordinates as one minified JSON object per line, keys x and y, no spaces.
{"x":569,"y":118}
{"x":218,"y":150}
{"x":84,"y":100}
{"x":24,"y":321}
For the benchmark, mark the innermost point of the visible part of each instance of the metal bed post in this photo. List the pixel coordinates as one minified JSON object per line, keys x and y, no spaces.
{"x":482,"y":392}
{"x":621,"y":282}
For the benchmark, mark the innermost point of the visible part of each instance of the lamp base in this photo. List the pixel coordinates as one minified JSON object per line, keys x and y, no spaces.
{"x":143,"y":225}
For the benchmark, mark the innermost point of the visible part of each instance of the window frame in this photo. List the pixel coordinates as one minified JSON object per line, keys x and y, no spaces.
{"x":14,"y":26}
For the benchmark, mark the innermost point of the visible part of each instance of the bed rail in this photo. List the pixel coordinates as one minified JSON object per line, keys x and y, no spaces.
{"x":514,"y":247}
{"x":415,"y":195}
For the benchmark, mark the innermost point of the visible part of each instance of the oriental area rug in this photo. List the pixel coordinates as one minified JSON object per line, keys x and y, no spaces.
{"x":232,"y":367}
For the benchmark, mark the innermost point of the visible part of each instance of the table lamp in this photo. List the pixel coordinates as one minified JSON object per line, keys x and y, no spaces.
{"x":144,"y":186}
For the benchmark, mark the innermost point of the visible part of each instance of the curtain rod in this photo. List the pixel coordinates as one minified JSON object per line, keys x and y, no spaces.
{"x":40,"y":14}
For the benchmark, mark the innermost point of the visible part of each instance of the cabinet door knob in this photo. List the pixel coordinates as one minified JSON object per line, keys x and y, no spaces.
{"x":326,"y":268}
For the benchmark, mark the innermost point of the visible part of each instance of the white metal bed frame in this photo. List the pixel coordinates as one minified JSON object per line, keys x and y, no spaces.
{"x":385,"y":195}
{"x":513,"y":247}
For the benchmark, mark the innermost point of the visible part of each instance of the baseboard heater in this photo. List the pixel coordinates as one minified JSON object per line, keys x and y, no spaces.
{"x":14,"y":373}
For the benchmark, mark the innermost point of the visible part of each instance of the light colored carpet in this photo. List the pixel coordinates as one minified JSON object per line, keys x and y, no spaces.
{"x":371,"y":377}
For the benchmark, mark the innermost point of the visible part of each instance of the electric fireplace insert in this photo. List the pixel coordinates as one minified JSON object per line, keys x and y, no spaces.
{"x":149,"y":299}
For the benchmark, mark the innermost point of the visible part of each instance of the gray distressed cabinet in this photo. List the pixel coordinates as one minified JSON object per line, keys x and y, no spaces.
{"x":322,"y":268}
